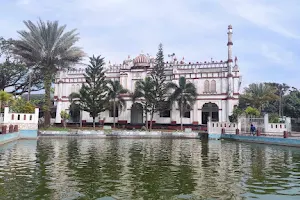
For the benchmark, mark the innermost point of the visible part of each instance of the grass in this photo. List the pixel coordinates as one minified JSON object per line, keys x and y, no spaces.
{"x":53,"y":128}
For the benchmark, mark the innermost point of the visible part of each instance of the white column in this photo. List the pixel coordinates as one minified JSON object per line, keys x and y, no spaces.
{"x":36,"y":115}
{"x":220,"y":115}
{"x":6,"y":116}
{"x":288,"y":124}
{"x":195,"y":113}
{"x":266,"y":122}
{"x":58,"y":110}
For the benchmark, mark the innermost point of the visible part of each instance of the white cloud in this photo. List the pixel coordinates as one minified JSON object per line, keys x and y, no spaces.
{"x":264,"y":31}
{"x":269,"y":15}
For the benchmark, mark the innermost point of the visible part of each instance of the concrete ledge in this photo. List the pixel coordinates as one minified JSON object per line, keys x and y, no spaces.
{"x":118,"y":134}
{"x":263,"y":140}
{"x":59,"y":136}
{"x":28,"y":134}
{"x":8,"y":137}
{"x":214,"y":136}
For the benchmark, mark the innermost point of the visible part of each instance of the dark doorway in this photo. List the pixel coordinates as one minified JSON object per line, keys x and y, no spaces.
{"x":210,"y":110}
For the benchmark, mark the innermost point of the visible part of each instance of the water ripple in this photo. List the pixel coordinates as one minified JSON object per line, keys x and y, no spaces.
{"x":147,"y":169}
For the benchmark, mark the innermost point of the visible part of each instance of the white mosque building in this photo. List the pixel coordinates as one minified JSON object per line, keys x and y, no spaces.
{"x":217,"y":82}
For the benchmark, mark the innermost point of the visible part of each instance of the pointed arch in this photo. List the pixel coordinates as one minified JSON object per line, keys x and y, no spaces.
{"x":206,"y":86}
{"x":213,"y":87}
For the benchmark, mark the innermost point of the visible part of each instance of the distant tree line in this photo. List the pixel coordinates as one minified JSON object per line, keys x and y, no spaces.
{"x":274,"y":98}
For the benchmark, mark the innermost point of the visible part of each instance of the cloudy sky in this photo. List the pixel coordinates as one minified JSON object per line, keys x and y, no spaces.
{"x":266,"y":32}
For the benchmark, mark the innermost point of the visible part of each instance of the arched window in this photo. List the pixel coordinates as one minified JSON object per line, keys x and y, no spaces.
{"x":213,"y":87}
{"x":206,"y":86}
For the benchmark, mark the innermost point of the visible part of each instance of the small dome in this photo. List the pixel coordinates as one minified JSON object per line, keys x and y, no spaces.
{"x":141,"y":59}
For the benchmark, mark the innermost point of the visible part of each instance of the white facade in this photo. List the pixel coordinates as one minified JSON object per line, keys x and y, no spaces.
{"x":218,"y":85}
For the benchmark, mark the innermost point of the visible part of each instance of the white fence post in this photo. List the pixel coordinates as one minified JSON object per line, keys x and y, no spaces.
{"x":266,"y":122}
{"x":6,"y":116}
{"x":36,"y":115}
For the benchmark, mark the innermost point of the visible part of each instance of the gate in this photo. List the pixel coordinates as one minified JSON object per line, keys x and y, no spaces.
{"x":247,"y":121}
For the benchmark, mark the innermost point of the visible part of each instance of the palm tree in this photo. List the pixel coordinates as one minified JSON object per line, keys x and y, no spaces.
{"x":47,"y":48}
{"x":185,"y":94}
{"x":5,"y":98}
{"x":259,"y":94}
{"x":114,"y":93}
{"x":145,"y":91}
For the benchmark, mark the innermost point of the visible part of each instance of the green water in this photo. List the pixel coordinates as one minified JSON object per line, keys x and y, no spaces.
{"x":147,"y":169}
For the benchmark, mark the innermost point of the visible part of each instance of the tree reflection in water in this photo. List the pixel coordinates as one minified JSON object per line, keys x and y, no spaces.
{"x":147,"y":169}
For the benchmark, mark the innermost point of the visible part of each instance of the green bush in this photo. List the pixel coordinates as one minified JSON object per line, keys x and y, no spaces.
{"x":253,"y":112}
{"x":22,"y":106}
{"x":274,"y":118}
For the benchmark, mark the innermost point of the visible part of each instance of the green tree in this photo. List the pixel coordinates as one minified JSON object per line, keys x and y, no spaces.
{"x":65,"y":116}
{"x":14,"y":75}
{"x":185,"y":94}
{"x":93,"y":94}
{"x":46,"y":48}
{"x":252,"y":112}
{"x":237,"y":112}
{"x":20,"y":105}
{"x":292,"y":103}
{"x":159,"y":78}
{"x":5,"y":99}
{"x":115,"y":91}
{"x":257,"y":95}
{"x":274,"y":118}
{"x":145,"y":92}
{"x":276,"y":105}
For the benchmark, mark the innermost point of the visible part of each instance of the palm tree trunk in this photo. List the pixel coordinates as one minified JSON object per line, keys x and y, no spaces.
{"x":47,"y":107}
{"x":65,"y":123}
{"x":181,"y":114}
{"x":146,"y":113}
{"x":94,"y":123}
{"x":80,"y":120}
{"x":151,"y":118}
{"x":114,"y":110}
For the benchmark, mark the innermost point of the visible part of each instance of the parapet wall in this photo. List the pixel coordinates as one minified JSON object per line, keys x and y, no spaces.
{"x":266,"y":128}
{"x":18,"y":125}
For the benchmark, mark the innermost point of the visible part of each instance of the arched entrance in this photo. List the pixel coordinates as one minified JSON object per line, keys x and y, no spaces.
{"x":210,"y":110}
{"x":136,"y":113}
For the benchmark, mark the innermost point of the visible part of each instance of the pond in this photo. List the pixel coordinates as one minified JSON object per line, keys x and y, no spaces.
{"x":147,"y":169}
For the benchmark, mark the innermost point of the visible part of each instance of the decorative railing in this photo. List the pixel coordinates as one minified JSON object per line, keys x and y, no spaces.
{"x":276,"y":127}
{"x":216,"y":127}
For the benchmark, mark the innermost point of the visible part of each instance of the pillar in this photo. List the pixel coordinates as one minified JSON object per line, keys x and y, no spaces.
{"x":266,"y":122}
{"x":6,"y":116}
{"x":58,"y":110}
{"x":36,"y":115}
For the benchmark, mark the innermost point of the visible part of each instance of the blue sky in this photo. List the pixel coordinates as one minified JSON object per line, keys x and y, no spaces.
{"x":266,"y":33}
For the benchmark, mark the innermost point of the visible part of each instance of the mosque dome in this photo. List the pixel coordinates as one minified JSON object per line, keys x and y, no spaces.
{"x":142,"y":58}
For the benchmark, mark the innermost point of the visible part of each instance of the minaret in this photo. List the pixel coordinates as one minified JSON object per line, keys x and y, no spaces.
{"x":229,"y":104}
{"x":230,"y":61}
{"x":229,"y":44}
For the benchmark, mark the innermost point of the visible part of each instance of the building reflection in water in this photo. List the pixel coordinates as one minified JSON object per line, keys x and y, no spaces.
{"x":150,"y":168}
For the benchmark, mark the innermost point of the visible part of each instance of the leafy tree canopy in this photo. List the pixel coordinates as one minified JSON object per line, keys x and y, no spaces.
{"x":14,"y":74}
